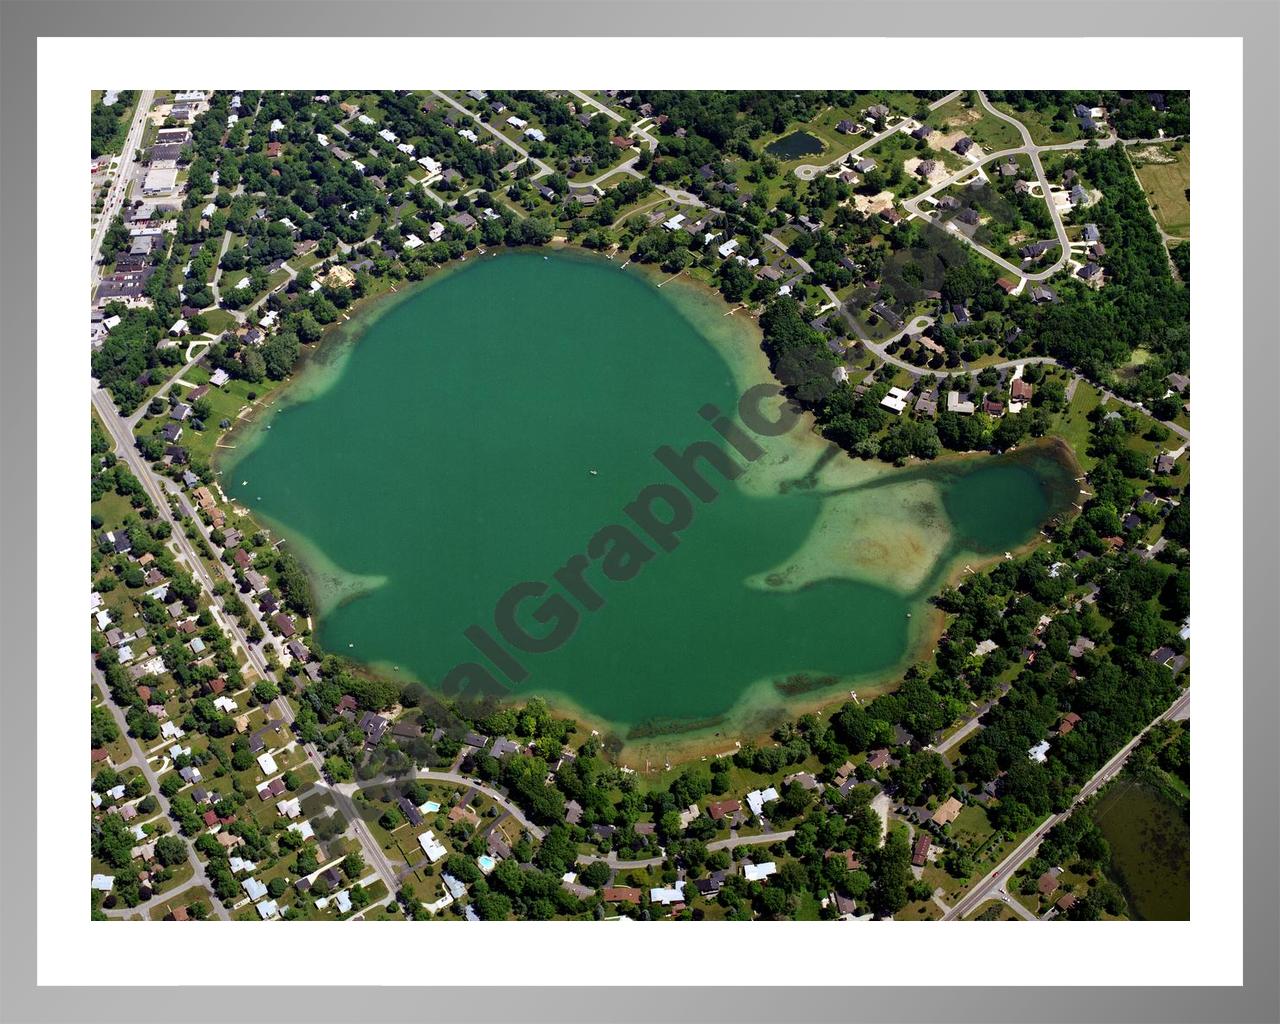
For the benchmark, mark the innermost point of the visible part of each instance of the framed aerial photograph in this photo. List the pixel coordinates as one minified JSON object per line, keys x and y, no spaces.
{"x":707,"y":517}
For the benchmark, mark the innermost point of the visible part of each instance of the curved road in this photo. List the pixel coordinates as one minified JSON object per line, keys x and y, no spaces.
{"x":138,"y":758}
{"x":349,"y":789}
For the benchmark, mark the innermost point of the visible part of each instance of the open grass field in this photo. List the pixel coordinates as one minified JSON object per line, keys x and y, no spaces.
{"x":1073,"y":426}
{"x":1044,"y":131}
{"x":1165,"y":174}
{"x":219,"y":320}
{"x":965,"y":114}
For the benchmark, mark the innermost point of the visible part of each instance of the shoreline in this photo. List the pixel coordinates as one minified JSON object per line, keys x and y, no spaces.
{"x":760,"y":706}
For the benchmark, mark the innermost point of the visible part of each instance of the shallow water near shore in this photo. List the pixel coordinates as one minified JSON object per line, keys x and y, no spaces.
{"x":480,"y":431}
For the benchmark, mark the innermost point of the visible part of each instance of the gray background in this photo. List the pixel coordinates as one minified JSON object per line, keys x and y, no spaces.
{"x":1257,"y":22}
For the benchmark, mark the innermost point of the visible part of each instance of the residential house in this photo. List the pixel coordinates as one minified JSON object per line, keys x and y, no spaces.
{"x":947,"y":811}
{"x":920,"y":852}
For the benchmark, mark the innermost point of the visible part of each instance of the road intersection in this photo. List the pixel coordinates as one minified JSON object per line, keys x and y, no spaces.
{"x":121,"y":431}
{"x":997,"y":881}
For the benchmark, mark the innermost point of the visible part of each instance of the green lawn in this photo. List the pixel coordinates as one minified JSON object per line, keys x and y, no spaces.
{"x":964,"y":113}
{"x":1165,"y":174}
{"x":1073,"y":425}
{"x":993,"y":910}
{"x":185,"y":899}
{"x":1040,"y":125}
{"x":219,"y":320}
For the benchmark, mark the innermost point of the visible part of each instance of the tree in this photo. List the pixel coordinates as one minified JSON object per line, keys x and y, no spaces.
{"x":353,"y":865}
{"x":265,"y":691}
{"x":337,"y":768}
{"x":102,"y":727}
{"x":493,"y":906}
{"x":253,"y":367}
{"x":596,"y":874}
{"x":171,"y":850}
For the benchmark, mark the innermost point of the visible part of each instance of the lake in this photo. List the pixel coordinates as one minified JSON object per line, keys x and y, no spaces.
{"x":794,"y":146}
{"x":478,"y":432}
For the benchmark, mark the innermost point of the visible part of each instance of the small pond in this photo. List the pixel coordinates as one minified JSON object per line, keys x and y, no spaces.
{"x":795,"y":145}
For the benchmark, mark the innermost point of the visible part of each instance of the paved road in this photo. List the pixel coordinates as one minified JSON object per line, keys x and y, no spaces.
{"x":1032,"y":152}
{"x":120,"y":184}
{"x":807,"y":172}
{"x":732,"y":843}
{"x":122,"y":433}
{"x":543,"y":168}
{"x":998,"y":879}
{"x":138,"y":758}
{"x":435,"y":775}
{"x":880,"y":348}
{"x":959,"y":736}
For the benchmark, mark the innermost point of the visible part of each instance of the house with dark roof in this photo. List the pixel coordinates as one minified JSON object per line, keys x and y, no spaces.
{"x":920,"y":851}
{"x":886,"y":314}
{"x":411,"y":813}
{"x":709,"y":887}
{"x":963,"y":145}
{"x":373,"y":726}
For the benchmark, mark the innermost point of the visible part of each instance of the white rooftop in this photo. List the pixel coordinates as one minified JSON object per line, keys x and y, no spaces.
{"x":253,"y":888}
{"x":667,"y":895}
{"x":431,"y":846}
{"x":757,"y":798}
{"x":896,"y":399}
{"x":758,"y":872}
